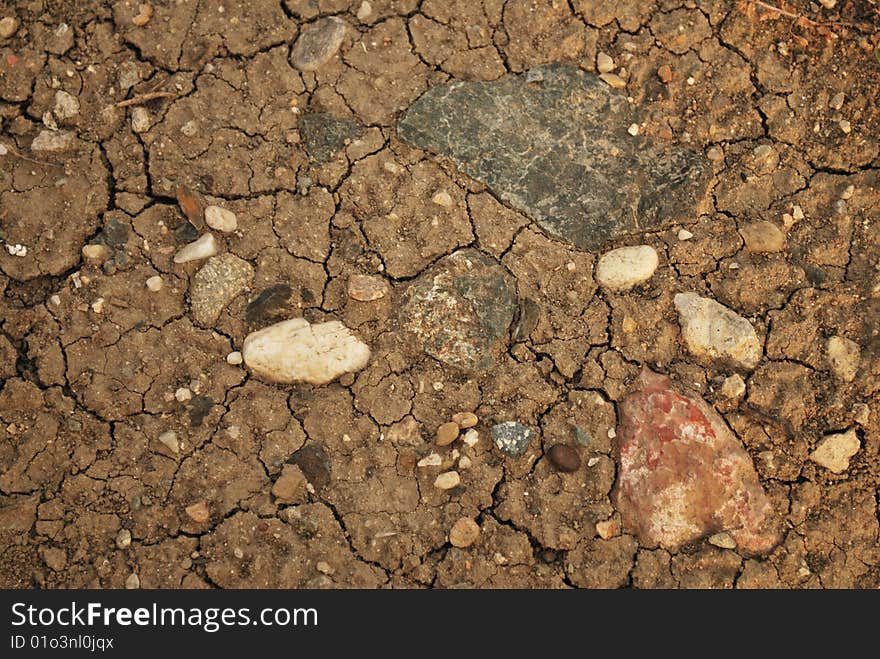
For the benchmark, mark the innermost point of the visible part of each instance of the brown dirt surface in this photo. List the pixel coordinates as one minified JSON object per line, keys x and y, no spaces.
{"x":261,"y":485}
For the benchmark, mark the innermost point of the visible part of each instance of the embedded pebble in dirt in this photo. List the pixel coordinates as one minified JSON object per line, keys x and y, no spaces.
{"x":564,"y":458}
{"x":625,"y":267}
{"x":52,"y":141}
{"x":8,"y":27}
{"x":202,"y":248}
{"x":585,"y":181}
{"x":834,"y":451}
{"x":317,"y":44}
{"x":512,"y":438}
{"x":684,"y":475}
{"x":324,"y":135}
{"x":447,"y":433}
{"x":220,"y":219}
{"x":216,"y":284}
{"x":460,"y":309}
{"x":763,"y":237}
{"x":464,"y":533}
{"x":367,"y":288}
{"x":297,"y":351}
{"x":844,"y":356}
{"x":713,"y":332}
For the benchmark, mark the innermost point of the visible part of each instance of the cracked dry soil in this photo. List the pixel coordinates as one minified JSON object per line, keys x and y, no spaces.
{"x":91,"y":360}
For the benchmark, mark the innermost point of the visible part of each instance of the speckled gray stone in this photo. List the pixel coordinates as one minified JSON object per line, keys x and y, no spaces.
{"x":460,"y":310}
{"x":216,"y":285}
{"x":553,"y":143}
{"x":324,"y":135}
{"x":512,"y":438}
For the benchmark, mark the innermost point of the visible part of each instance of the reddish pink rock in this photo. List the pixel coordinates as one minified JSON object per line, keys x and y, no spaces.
{"x":683,"y":473}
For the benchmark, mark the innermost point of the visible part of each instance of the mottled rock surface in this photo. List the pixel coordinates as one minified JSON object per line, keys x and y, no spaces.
{"x":684,"y":475}
{"x":461,"y":309}
{"x":216,"y":285}
{"x":554,"y":144}
{"x":512,"y":438}
{"x":712,"y":332}
{"x":324,"y":135}
{"x":297,"y":351}
{"x":317,"y":44}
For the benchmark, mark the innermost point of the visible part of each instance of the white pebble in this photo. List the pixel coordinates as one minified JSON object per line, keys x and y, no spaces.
{"x":845,"y":126}
{"x":625,"y":267}
{"x":234,"y":358}
{"x":797,"y":213}
{"x":364,"y":11}
{"x":684,"y":234}
{"x":154,"y":283}
{"x":123,"y":538}
{"x":98,"y":305}
{"x":203,"y":248}
{"x":221,"y":219}
{"x":633,"y":129}
{"x":16,"y":250}
{"x":471,"y":437}
{"x":183,"y":394}
{"x":432,"y":460}
{"x":604,"y":63}
{"x":592,"y":462}
{"x":612,"y":433}
{"x":140,"y":120}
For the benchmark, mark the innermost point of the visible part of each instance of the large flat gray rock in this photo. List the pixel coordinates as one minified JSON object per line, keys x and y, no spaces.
{"x":553,"y":143}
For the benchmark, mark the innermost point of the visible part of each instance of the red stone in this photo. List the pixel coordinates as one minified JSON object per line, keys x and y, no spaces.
{"x":684,"y":474}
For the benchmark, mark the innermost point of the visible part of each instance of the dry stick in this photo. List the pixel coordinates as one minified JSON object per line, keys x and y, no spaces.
{"x":36,"y":162}
{"x":143,"y":98}
{"x":861,"y":27}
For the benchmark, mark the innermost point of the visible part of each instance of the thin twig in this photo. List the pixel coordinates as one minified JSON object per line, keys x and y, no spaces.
{"x":143,"y":98}
{"x":861,"y":27}
{"x":15,"y":153}
{"x":776,"y":9}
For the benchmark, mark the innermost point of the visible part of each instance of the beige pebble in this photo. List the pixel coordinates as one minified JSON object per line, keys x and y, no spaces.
{"x":8,"y":27}
{"x":633,"y":129}
{"x":98,"y":305}
{"x":141,"y":120}
{"x":183,"y":394}
{"x":145,"y":13}
{"x":123,"y":538}
{"x":722,"y":540}
{"x":432,"y":460}
{"x":95,"y":252}
{"x":220,"y":219}
{"x":684,"y":234}
{"x":447,"y":480}
{"x":234,"y":358}
{"x":604,"y":63}
{"x":364,"y":11}
{"x":133,"y":582}
{"x":323,"y":567}
{"x":835,"y":451}
{"x":465,"y":419}
{"x":442,"y":198}
{"x":366,"y":288}
{"x":198,"y":512}
{"x":154,"y":283}
{"x":471,"y":437}
{"x":447,"y":433}
{"x":464,"y":533}
{"x":606,"y":529}
{"x":464,"y":462}
{"x":733,"y":387}
{"x":762,"y":237}
{"x":613,"y":80}
{"x":169,"y":439}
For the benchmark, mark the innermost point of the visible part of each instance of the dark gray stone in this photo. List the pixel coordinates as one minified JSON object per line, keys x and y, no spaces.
{"x":460,"y":310}
{"x":512,"y":438}
{"x":553,"y":143}
{"x":324,"y":135}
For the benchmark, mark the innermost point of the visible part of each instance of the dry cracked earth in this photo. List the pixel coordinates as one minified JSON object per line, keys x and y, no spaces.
{"x":107,"y":108}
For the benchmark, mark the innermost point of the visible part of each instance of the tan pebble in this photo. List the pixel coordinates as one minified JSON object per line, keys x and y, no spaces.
{"x":613,"y":80}
{"x":447,"y":433}
{"x":323,"y":567}
{"x":220,"y":219}
{"x":442,"y":198}
{"x":366,"y":288}
{"x":238,"y":553}
{"x":684,"y":234}
{"x":606,"y":529}
{"x":123,"y":538}
{"x":665,"y":74}
{"x":133,"y":582}
{"x":154,"y":283}
{"x":633,"y":129}
{"x":234,"y":358}
{"x":464,"y":533}
{"x":145,"y":13}
{"x":465,"y":419}
{"x":183,"y":394}
{"x":363,"y":13}
{"x":98,"y":305}
{"x":471,"y":437}
{"x":169,"y":439}
{"x":464,"y":462}
{"x":604,"y":63}
{"x":797,"y":212}
{"x":95,"y":252}
{"x":861,"y":414}
{"x":199,"y":512}
{"x":432,"y":460}
{"x":762,"y":237}
{"x":722,"y":540}
{"x":8,"y":27}
{"x":447,"y":480}
{"x":733,"y":387}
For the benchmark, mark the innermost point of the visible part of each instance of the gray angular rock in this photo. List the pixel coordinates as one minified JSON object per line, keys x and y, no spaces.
{"x":553,"y":143}
{"x":460,"y":310}
{"x":324,"y":135}
{"x":512,"y":438}
{"x":216,"y":284}
{"x":317,"y":43}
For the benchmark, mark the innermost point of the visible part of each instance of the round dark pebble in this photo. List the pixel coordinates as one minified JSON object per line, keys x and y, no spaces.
{"x":564,"y":458}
